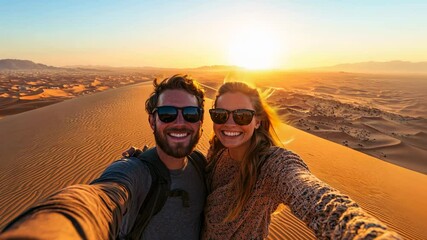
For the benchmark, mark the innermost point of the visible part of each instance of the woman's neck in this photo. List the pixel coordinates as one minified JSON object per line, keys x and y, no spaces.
{"x":238,"y":153}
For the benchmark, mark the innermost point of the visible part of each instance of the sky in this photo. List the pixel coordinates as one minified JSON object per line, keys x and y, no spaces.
{"x":253,"y":34}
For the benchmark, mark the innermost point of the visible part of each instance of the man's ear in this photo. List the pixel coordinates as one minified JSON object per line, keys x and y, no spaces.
{"x":152,"y":121}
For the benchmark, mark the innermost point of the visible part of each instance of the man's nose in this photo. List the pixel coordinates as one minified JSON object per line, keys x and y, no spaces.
{"x":180,"y":119}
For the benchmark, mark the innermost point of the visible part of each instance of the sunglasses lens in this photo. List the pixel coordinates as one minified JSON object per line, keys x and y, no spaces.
{"x":243,"y":116}
{"x":218,"y":116}
{"x":191,"y":114}
{"x":167,"y":114}
{"x":240,"y":116}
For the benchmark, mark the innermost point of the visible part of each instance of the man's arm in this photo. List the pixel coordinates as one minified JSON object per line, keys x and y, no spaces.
{"x":94,"y":211}
{"x":76,"y":212}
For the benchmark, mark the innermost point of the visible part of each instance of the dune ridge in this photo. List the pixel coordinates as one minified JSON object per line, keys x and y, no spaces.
{"x":73,"y":141}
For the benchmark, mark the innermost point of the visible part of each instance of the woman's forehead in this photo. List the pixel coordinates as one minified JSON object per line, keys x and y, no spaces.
{"x":234,"y":100}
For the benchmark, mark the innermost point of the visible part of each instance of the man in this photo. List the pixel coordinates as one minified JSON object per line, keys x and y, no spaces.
{"x":109,"y":206}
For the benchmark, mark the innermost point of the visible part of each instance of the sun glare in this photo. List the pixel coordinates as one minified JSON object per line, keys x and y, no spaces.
{"x":254,"y":49}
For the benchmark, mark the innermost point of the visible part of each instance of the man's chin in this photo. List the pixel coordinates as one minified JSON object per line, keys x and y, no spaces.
{"x":177,"y":150}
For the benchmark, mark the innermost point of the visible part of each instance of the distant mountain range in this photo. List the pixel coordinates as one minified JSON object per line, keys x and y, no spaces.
{"x":16,"y":64}
{"x":362,"y":67}
{"x":379,"y":67}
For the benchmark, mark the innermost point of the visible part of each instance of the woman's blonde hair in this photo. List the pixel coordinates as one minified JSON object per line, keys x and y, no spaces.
{"x":263,"y":138}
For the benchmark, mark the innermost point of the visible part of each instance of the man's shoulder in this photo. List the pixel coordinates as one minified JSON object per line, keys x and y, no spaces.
{"x":124,"y":170}
{"x":198,"y":157}
{"x":131,"y":163}
{"x":199,"y":161}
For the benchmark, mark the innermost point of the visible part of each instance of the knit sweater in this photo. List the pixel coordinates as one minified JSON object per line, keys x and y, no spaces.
{"x":284,"y":178}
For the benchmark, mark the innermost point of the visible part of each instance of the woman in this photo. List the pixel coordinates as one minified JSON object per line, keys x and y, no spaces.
{"x":249,"y":176}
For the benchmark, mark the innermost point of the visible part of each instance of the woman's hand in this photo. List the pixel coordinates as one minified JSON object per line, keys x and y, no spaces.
{"x":134,"y":152}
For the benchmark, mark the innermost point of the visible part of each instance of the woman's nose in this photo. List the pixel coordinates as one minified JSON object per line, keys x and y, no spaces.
{"x":230,"y":120}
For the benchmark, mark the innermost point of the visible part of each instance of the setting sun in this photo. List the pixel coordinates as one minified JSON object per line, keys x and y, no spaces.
{"x":254,"y":49}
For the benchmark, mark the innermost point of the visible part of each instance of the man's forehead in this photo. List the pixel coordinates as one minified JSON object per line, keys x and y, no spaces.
{"x":177,"y":97}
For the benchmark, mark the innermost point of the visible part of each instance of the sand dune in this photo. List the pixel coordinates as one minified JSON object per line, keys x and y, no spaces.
{"x":73,"y":141}
{"x":45,"y":93}
{"x":389,"y":136}
{"x":21,"y":91}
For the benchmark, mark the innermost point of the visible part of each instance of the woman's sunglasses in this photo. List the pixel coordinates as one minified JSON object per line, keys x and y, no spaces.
{"x":240,"y":116}
{"x":168,"y":114}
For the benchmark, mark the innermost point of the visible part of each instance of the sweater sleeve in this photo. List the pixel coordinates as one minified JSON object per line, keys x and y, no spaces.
{"x":329,"y":213}
{"x":96,"y":211}
{"x":78,"y":211}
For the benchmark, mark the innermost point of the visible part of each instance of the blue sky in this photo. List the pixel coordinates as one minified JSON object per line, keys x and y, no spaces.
{"x":195,"y":33}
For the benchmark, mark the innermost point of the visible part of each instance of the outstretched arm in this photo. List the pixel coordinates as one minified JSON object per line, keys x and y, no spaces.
{"x":95,"y":211}
{"x":328,"y":212}
{"x":76,"y":212}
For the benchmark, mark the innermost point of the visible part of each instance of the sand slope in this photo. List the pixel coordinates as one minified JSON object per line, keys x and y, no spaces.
{"x":73,"y":141}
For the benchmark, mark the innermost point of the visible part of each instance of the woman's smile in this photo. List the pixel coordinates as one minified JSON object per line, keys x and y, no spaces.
{"x":231,"y":133}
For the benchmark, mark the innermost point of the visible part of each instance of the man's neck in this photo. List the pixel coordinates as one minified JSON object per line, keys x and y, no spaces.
{"x":170,"y":162}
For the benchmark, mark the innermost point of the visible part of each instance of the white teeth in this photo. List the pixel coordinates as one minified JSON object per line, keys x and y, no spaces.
{"x":178,"y":135}
{"x":231,"y":134}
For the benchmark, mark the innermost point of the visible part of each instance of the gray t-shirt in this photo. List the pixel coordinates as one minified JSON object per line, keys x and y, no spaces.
{"x":174,"y":221}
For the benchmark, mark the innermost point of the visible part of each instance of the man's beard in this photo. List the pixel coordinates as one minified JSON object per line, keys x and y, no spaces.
{"x":180,"y":150}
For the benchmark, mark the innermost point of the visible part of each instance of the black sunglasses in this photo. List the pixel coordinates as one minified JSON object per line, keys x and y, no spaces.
{"x":240,"y":116}
{"x":168,"y":114}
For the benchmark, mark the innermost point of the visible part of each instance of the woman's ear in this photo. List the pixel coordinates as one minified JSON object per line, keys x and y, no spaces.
{"x":258,"y":123}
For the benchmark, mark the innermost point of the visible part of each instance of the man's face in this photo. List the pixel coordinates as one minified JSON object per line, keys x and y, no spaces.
{"x":179,"y":137}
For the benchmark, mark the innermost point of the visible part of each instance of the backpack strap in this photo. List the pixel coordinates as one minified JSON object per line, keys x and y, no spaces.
{"x":199,"y":162}
{"x":157,"y":195}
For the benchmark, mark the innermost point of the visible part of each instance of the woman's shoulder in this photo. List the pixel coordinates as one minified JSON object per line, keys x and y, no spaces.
{"x":280,"y":152}
{"x":279,"y":158}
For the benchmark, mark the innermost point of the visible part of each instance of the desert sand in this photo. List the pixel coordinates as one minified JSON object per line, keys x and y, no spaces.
{"x":382,"y":115}
{"x":23,"y":90}
{"x":73,"y":141}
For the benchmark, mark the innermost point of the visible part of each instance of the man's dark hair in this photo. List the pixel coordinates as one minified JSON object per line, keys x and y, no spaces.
{"x":175,"y":82}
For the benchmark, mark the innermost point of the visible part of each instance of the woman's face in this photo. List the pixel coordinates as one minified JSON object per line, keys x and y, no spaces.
{"x":233,"y":136}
